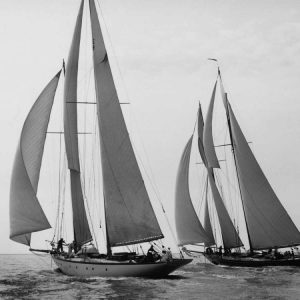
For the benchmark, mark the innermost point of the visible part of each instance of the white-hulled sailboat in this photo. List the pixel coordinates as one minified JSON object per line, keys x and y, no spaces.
{"x":268,"y":225}
{"x":129,"y":216}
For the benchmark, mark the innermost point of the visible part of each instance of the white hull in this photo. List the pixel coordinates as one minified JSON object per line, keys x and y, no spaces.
{"x":104,"y":268}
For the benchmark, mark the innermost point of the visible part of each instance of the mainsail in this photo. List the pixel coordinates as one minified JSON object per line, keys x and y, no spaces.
{"x":129,"y":215}
{"x":188,"y":227}
{"x":268,"y":223}
{"x":26,"y":214}
{"x":80,"y":224}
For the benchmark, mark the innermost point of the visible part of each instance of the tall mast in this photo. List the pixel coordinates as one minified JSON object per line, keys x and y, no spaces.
{"x":225,"y":100}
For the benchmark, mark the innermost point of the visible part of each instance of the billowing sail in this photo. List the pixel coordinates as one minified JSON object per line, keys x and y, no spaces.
{"x":208,"y":142}
{"x":207,"y":225}
{"x":229,"y":234}
{"x":269,"y":225}
{"x":129,"y":215}
{"x":26,"y":214}
{"x":188,"y":227}
{"x":81,"y":227}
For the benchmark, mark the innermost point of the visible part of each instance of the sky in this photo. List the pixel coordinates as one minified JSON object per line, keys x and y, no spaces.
{"x":158,"y":51}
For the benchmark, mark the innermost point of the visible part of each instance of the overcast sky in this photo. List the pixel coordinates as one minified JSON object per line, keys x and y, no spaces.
{"x":160,"y":50}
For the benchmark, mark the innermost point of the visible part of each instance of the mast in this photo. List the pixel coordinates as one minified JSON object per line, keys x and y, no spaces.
{"x":225,"y":100}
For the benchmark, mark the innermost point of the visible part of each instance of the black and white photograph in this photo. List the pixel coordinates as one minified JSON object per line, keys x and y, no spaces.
{"x":150,"y":149}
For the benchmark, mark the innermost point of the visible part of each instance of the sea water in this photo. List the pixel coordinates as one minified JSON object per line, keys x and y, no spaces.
{"x":36,"y":277}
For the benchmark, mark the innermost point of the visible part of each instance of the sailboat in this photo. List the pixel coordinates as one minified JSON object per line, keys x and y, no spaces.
{"x":268,"y":225}
{"x":129,"y":215}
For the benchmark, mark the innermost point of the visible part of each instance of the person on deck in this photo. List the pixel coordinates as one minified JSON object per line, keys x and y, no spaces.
{"x":220,"y":250}
{"x":169,"y":254}
{"x":151,"y":254}
{"x":71,"y":247}
{"x":60,"y":244}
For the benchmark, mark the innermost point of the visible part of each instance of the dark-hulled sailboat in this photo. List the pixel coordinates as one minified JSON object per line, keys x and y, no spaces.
{"x":129,"y":216}
{"x":268,"y":225}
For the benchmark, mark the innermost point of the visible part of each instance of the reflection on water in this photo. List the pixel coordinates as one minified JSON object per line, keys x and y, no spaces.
{"x":34,"y":277}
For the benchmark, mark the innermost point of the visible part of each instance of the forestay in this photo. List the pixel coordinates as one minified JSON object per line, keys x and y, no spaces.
{"x":129,"y":215}
{"x":26,"y":214}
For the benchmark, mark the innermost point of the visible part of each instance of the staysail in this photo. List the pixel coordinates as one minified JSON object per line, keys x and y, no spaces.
{"x":230,"y":236}
{"x":207,"y":223}
{"x":129,"y":214}
{"x":80,"y":224}
{"x":268,"y":223}
{"x":188,"y":227}
{"x":26,"y":214}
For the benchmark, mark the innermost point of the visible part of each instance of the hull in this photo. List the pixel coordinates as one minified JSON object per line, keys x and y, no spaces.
{"x":105,"y":268}
{"x":251,"y":261}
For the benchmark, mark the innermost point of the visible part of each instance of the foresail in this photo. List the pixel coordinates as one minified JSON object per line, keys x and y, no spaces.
{"x":188,"y":227}
{"x":207,"y":223}
{"x":26,"y":214}
{"x":208,"y":143}
{"x":129,"y":215}
{"x":80,"y":223}
{"x":269,"y":224}
{"x":230,"y":236}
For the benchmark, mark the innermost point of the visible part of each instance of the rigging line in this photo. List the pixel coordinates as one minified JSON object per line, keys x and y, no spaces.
{"x":151,"y":177}
{"x":148,"y":176}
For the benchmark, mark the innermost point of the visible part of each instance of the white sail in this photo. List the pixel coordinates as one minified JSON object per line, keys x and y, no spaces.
{"x":129,"y":215}
{"x":81,"y":227}
{"x":26,"y":214}
{"x":188,"y":227}
{"x":269,"y":225}
{"x":208,"y":142}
